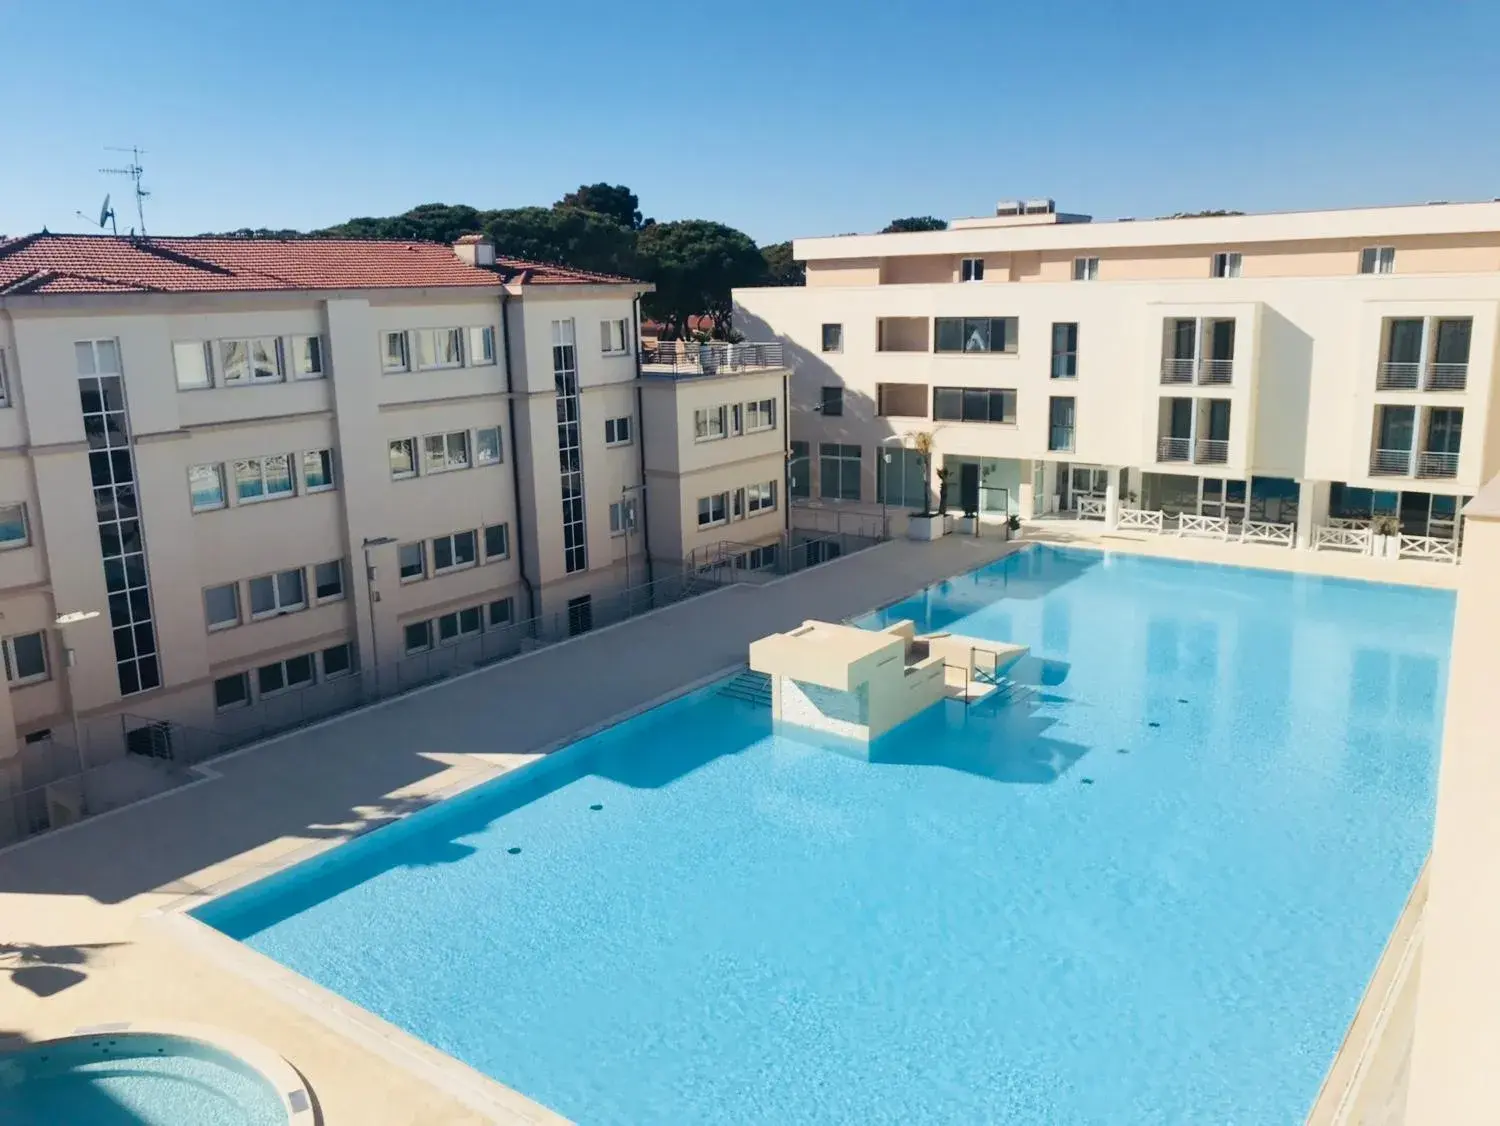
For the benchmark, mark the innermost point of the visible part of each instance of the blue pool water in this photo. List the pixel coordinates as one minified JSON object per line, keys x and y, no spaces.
{"x":134,"y":1079}
{"x":1150,"y":891}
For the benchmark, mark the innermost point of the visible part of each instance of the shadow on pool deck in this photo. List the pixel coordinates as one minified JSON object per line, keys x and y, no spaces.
{"x":334,"y":781}
{"x":46,"y":970}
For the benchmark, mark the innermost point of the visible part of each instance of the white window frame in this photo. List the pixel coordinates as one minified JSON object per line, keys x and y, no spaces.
{"x":326,"y":467}
{"x":260,"y":461}
{"x":239,"y":615}
{"x":760,"y":415}
{"x":279,"y":609}
{"x":205,"y":352}
{"x":12,"y":665}
{"x":263,"y":693}
{"x":20,"y":508}
{"x":218,"y":471}
{"x":703,"y":420}
{"x":475,"y":453}
{"x":971,"y":270}
{"x":622,"y":517}
{"x":347,"y":670}
{"x":479,"y":346}
{"x":760,"y":498}
{"x":96,"y":356}
{"x":457,"y":617}
{"x":244,"y":702}
{"x":510,"y":613}
{"x":421,"y":546}
{"x":407,"y":648}
{"x":484,"y":542}
{"x":614,"y":337}
{"x":429,"y":339}
{"x":613,"y":428}
{"x":711,"y":522}
{"x":451,"y":539}
{"x":304,"y":370}
{"x":1228,"y":263}
{"x":448,"y":464}
{"x":401,"y":362}
{"x":413,"y":459}
{"x":320,"y":599}
{"x":1382,"y":260}
{"x":278,"y":357}
{"x":1086,"y":268}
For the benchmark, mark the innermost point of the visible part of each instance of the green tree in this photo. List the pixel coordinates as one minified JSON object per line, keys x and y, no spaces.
{"x":613,"y":200}
{"x":571,"y":236}
{"x":430,"y":222}
{"x":695,"y":265}
{"x":781,"y":267}
{"x":915,"y":223}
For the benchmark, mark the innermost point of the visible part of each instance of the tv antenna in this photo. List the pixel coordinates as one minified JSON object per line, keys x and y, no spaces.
{"x":134,"y":171}
{"x":106,"y":215}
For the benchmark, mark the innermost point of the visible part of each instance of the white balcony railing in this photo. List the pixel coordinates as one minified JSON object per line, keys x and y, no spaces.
{"x":1177,"y":369}
{"x":1437,"y":464}
{"x":1215,"y":371}
{"x":1390,"y":463}
{"x":1398,"y":376}
{"x":1174,"y":449}
{"x":1260,"y":531}
{"x":1212,"y":451}
{"x":1429,"y":547}
{"x":1446,"y":377}
{"x":1091,"y":508}
{"x":1215,"y":527}
{"x":1342,"y":539}
{"x":1408,"y":375}
{"x":1141,"y":519}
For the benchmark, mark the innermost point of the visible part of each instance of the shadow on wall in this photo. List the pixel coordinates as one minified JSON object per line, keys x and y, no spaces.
{"x":1285,"y":380}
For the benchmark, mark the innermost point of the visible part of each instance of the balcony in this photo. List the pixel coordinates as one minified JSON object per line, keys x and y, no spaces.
{"x":1191,"y":369}
{"x":1410,"y":376}
{"x":684,"y":358}
{"x":1398,"y":376}
{"x":1437,"y":464}
{"x":1212,"y":451}
{"x":1177,"y":369}
{"x":1446,"y":377}
{"x":1174,"y":449}
{"x":1215,"y":371}
{"x":1390,"y":463}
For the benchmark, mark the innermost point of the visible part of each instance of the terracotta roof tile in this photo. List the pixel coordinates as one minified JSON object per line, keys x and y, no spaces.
{"x":62,"y":264}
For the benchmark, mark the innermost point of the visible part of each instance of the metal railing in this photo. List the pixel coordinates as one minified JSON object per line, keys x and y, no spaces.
{"x":1091,"y":508}
{"x":1390,"y":463}
{"x":1212,"y":451}
{"x":1429,"y":547}
{"x":685,"y":357}
{"x":837,"y":521}
{"x":1174,"y":449}
{"x":1342,"y":539}
{"x":1409,"y":375}
{"x":1215,"y":371}
{"x":1142,"y":519}
{"x":1398,"y":375}
{"x":1261,"y":531}
{"x":1437,"y":464}
{"x":1177,"y":369}
{"x":1216,"y":527}
{"x":1446,"y":377}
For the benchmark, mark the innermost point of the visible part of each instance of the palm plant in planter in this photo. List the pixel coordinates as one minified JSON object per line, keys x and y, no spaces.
{"x":928,"y":524}
{"x":1386,"y":530}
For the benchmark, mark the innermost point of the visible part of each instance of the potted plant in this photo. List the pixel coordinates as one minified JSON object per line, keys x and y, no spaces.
{"x":1386,"y":537}
{"x":927,"y":524}
{"x":968,"y":524}
{"x":1012,"y":525}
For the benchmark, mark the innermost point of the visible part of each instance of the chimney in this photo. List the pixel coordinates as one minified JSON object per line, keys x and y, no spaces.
{"x":476,"y":250}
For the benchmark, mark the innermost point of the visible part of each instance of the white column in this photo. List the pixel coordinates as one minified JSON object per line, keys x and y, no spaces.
{"x":1026,"y":506}
{"x":1312,"y":509}
{"x":1112,"y":500}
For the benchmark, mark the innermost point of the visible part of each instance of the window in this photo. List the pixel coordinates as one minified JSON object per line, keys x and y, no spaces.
{"x":194,"y":361}
{"x":26,"y":658}
{"x":444,"y":452}
{"x":832,"y":404}
{"x":569,"y":447}
{"x":496,"y":542}
{"x":1064,"y":351}
{"x":1377,"y":260}
{"x":411,"y":561}
{"x":971,"y":270}
{"x":799,"y":471}
{"x":395,"y":356}
{"x":328,"y":581}
{"x":13,"y":527}
{"x":307,"y":357}
{"x":838,"y":471}
{"x":759,"y":558}
{"x":900,"y":478}
{"x":622,"y":517}
{"x":487,"y":446}
{"x":282,"y":676}
{"x":617,"y":431}
{"x":901,"y":400}
{"x":280,"y":593}
{"x":760,"y":415}
{"x":737,"y":504}
{"x":481,"y":346}
{"x":737,"y":419}
{"x":231,"y":692}
{"x":1060,"y":433}
{"x":709,"y":423}
{"x":263,"y":478}
{"x":418,"y":637}
{"x":4,"y":382}
{"x":1085,"y":269}
{"x":451,"y":552}
{"x":439,"y":348}
{"x":257,"y":360}
{"x":206,"y":487}
{"x":580,"y":614}
{"x":976,"y":334}
{"x":221,"y":606}
{"x":459,"y":623}
{"x":974,"y":404}
{"x":338,"y":660}
{"x":501,"y":612}
{"x":97,"y":357}
{"x":1227,"y":264}
{"x":614,"y":338}
{"x":403,"y":458}
{"x":760,"y":498}
{"x":713,"y":510}
{"x":833,"y":338}
{"x":317,"y":470}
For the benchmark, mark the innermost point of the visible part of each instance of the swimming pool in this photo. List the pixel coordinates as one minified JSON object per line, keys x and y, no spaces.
{"x":1149,"y":889}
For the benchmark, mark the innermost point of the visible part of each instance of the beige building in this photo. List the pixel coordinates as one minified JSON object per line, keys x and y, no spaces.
{"x":1305,"y":372}
{"x":272,"y":470}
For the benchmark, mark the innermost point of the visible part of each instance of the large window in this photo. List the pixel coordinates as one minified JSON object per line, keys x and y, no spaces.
{"x":338,"y":660}
{"x":231,"y":691}
{"x":221,"y":606}
{"x":1064,"y":351}
{"x":444,"y":452}
{"x":833,"y":338}
{"x":614,"y":337}
{"x":713,"y":510}
{"x":263,"y":478}
{"x":403,"y":458}
{"x":760,"y":498}
{"x":976,"y":334}
{"x":974,"y":404}
{"x":487,"y":449}
{"x":282,"y":676}
{"x":206,"y":487}
{"x":449,"y":553}
{"x":799,"y":471}
{"x":13,"y":526}
{"x":481,"y":346}
{"x":458,"y":624}
{"x":439,"y":347}
{"x":901,"y":400}
{"x":760,"y":415}
{"x":280,"y":593}
{"x":838,"y":471}
{"x":1060,"y":419}
{"x":622,"y":517}
{"x":395,"y":354}
{"x":710,"y":423}
{"x":194,"y":361}
{"x":317,"y":470}
{"x":832,"y":405}
{"x":900,"y":478}
{"x":328,"y":581}
{"x":26,"y":658}
{"x":411,"y":561}
{"x":257,"y":360}
{"x":569,"y":447}
{"x":496,"y":542}
{"x":617,"y":431}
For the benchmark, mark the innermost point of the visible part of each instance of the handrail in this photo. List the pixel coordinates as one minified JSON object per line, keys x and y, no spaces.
{"x":1174,"y":449}
{"x":1212,"y":451}
{"x":1433,"y":464}
{"x":1263,"y":531}
{"x":1177,"y":369}
{"x":1343,"y":539}
{"x":1215,"y":526}
{"x":1091,"y":508}
{"x":1429,"y":547}
{"x":1144,"y":519}
{"x":686,"y":357}
{"x":1215,"y":371}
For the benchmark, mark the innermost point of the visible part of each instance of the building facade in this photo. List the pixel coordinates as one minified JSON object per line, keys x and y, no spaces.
{"x":1301,"y":371}
{"x":234,"y":472}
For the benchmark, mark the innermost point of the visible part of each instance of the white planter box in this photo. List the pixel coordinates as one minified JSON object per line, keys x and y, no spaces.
{"x":924,"y":527}
{"x":1385,"y":547}
{"x":968,"y":525}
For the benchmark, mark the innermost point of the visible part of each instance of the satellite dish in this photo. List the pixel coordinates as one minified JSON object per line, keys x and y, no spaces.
{"x":105,"y":214}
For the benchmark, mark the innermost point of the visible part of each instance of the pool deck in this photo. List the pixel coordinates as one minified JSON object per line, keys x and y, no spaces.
{"x":90,"y":930}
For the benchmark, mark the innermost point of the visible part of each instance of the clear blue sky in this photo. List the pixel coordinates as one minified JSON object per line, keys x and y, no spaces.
{"x":781,"y":117}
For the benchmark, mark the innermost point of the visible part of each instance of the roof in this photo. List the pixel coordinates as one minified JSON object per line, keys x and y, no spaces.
{"x":50,"y":264}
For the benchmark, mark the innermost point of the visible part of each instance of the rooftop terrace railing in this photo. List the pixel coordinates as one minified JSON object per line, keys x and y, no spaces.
{"x":687,"y":358}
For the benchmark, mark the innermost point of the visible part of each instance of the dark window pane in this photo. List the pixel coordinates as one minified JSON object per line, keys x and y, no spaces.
{"x":231,"y":690}
{"x":271,"y":678}
{"x":950,"y":334}
{"x":947,"y":404}
{"x":130,"y":680}
{"x":140,"y":604}
{"x":145,"y":640}
{"x":114,"y":575}
{"x":109,"y":540}
{"x":976,"y":405}
{"x":149,"y":672}
{"x":124,"y":646}
{"x":299,"y":670}
{"x":99,"y":468}
{"x":119,"y":461}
